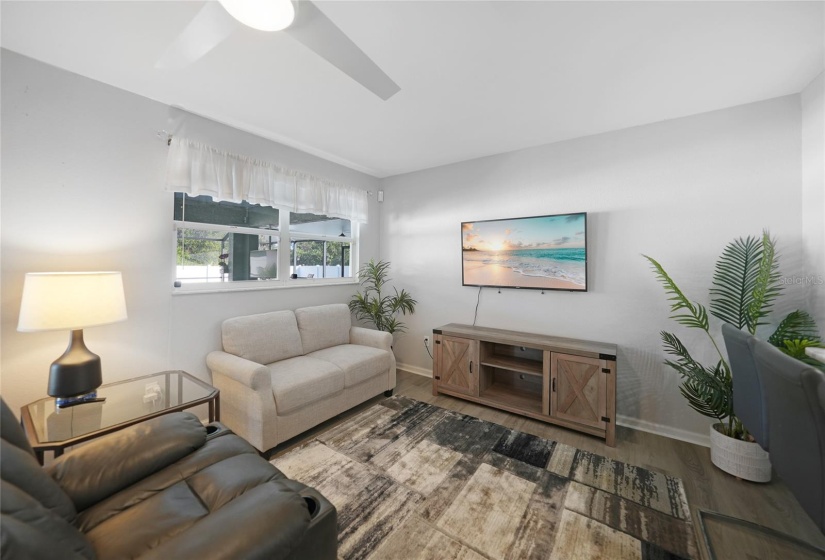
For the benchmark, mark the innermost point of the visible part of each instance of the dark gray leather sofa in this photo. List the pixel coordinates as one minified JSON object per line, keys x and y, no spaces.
{"x":163,"y":489}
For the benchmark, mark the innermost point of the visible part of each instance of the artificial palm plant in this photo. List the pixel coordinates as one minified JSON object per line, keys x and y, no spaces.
{"x":746,"y":283}
{"x":376,"y":307}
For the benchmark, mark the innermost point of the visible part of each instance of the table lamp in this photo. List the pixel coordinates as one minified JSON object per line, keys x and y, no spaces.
{"x":72,"y":301}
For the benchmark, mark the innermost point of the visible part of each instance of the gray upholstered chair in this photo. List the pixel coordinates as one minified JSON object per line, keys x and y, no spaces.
{"x":795,"y":397}
{"x":781,"y":401}
{"x":748,"y":398}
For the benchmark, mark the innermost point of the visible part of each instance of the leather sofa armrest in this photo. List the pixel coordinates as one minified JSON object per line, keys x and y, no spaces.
{"x":324,"y":528}
{"x":107,"y":465}
{"x":370,"y":337}
{"x":248,"y":373}
{"x":216,"y":429}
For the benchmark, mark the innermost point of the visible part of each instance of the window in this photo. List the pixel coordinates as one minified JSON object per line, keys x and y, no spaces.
{"x":223,"y":245}
{"x":319,"y":247}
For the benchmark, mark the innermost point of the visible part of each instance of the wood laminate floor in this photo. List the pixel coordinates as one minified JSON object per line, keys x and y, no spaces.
{"x":707,"y":487}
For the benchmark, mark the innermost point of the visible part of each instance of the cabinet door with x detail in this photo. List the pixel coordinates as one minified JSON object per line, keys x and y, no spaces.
{"x":456,"y":364}
{"x":579,"y":389}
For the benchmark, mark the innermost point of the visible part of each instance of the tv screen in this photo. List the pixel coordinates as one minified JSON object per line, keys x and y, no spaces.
{"x":540,"y":252}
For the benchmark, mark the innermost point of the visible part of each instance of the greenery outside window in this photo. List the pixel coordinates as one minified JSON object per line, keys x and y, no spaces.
{"x":227,"y":245}
{"x":319,"y":248}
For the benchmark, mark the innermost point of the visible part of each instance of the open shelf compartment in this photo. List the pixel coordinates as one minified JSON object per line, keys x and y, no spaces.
{"x":511,"y":388}
{"x":514,"y":358}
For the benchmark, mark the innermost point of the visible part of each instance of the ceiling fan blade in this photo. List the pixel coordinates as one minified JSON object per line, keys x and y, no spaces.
{"x":317,"y":32}
{"x":207,"y":30}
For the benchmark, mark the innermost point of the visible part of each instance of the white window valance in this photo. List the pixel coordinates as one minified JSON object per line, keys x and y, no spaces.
{"x":196,"y":169}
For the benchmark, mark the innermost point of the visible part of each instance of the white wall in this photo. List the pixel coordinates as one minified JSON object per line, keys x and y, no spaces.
{"x":82,"y":189}
{"x":677,"y":190}
{"x":813,"y":195}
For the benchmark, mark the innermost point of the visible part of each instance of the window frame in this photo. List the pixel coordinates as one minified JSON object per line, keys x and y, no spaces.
{"x":283,"y":281}
{"x":327,"y":238}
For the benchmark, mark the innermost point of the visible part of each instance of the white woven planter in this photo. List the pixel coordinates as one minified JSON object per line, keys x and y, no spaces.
{"x":743,"y":459}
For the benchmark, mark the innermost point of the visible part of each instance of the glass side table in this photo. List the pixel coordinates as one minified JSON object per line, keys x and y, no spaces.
{"x":128,"y":402}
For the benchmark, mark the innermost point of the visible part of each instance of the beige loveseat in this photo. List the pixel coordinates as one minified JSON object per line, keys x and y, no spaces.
{"x":284,"y":372}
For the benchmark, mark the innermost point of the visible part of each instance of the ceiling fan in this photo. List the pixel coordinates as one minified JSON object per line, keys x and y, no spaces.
{"x":301,"y":19}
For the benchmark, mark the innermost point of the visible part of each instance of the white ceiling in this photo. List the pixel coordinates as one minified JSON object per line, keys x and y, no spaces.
{"x":477,"y":78}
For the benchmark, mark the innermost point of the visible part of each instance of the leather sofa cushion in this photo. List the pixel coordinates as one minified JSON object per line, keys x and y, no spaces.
{"x":10,"y":429}
{"x":169,"y":510}
{"x":22,"y":470}
{"x":147,"y":523}
{"x":33,"y":532}
{"x":274,"y":525}
{"x":323,"y":326}
{"x":215,"y":451}
{"x":263,"y":338}
{"x":142,"y":449}
{"x":359,"y":363}
{"x":300,"y":381}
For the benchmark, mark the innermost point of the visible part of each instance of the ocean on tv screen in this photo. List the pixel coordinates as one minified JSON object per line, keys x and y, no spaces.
{"x":543,"y":252}
{"x":566,"y":265}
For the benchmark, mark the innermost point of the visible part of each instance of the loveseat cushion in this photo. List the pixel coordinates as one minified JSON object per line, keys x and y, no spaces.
{"x":300,"y":381}
{"x":263,"y":338}
{"x":359,"y":363}
{"x":323,"y":326}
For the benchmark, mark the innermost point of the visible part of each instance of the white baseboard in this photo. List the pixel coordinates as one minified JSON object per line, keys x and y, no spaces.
{"x":660,"y":430}
{"x":627,"y":422}
{"x":416,"y":370}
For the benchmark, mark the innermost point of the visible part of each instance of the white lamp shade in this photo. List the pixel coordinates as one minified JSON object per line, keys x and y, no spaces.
{"x":264,"y":15}
{"x":71,"y":300}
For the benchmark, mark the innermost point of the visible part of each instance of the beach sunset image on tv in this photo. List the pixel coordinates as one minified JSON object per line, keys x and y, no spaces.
{"x":542,"y":252}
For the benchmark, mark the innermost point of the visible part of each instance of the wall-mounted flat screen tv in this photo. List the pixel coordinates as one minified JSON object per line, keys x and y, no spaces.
{"x":539,"y":252}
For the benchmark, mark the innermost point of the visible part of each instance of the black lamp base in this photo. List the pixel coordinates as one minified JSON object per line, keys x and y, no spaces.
{"x":77,"y":372}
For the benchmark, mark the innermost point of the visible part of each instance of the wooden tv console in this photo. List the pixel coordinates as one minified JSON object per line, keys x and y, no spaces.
{"x":563,"y":381}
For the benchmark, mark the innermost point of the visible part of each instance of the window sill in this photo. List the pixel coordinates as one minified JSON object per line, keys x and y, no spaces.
{"x":219,"y":288}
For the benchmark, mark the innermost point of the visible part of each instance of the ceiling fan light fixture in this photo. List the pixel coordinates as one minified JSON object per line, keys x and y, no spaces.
{"x":264,"y":15}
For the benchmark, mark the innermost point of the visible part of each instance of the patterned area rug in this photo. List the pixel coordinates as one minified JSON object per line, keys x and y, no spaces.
{"x":412,"y":480}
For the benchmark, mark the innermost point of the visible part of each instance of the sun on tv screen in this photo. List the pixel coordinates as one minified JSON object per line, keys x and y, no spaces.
{"x":540,"y":252}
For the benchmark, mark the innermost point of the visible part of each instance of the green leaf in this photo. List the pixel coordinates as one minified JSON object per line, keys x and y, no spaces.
{"x":708,"y":391}
{"x":796,"y":349}
{"x":369,"y":304}
{"x":798,"y":325}
{"x":735,"y":280}
{"x":695,"y":315}
{"x":767,"y":286}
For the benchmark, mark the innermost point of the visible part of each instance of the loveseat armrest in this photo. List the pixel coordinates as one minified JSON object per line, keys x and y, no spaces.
{"x":247,"y":401}
{"x":251,"y":374}
{"x":107,"y":465}
{"x":370,"y":337}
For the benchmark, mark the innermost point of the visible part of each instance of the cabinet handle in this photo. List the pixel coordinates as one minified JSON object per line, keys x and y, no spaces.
{"x":471,"y":367}
{"x":554,"y":384}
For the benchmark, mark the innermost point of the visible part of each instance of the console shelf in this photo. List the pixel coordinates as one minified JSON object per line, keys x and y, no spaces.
{"x":562,"y":381}
{"x":520,"y":365}
{"x":496,"y":395}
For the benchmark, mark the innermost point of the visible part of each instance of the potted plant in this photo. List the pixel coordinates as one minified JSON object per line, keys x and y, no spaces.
{"x":222,"y":263}
{"x":376,"y":307}
{"x":745,"y":283}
